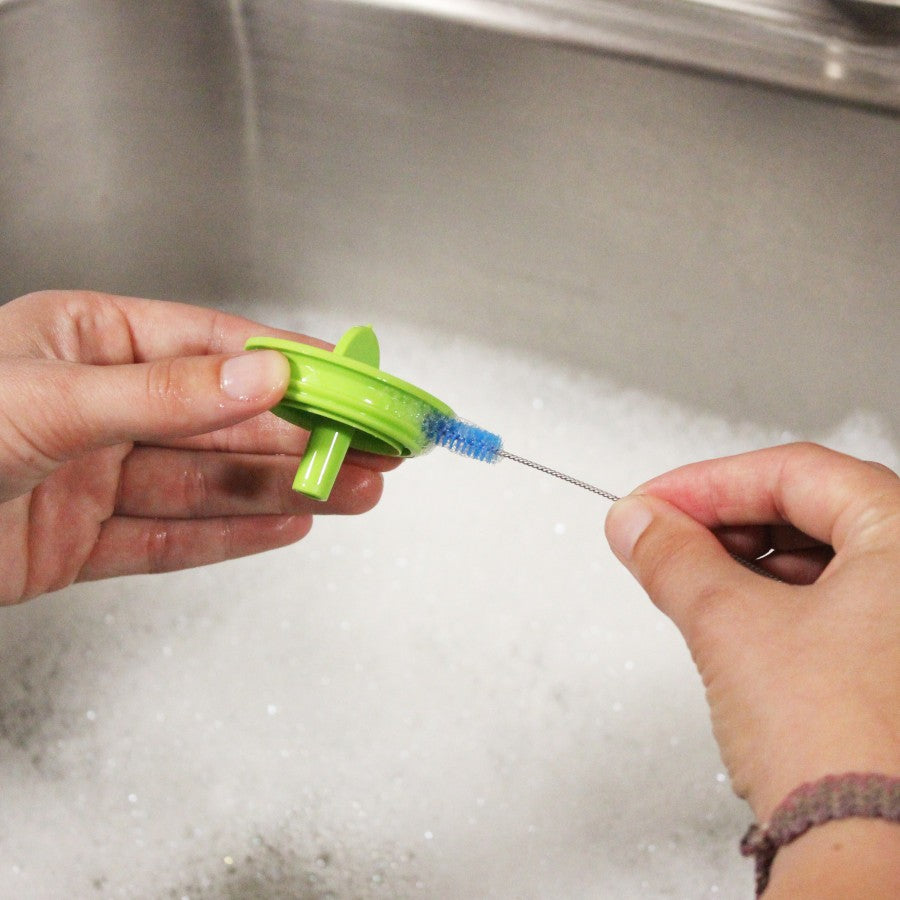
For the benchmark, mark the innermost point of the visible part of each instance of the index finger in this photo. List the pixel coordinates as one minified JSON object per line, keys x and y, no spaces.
{"x":105,"y":329}
{"x":825,"y":494}
{"x":162,"y":328}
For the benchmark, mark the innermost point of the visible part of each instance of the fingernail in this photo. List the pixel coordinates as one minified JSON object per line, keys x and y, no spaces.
{"x":254,"y":375}
{"x":626,"y":521}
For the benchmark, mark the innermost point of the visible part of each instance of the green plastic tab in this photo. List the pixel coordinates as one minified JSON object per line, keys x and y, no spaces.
{"x":344,"y":400}
{"x":322,"y":460}
{"x":330,"y":441}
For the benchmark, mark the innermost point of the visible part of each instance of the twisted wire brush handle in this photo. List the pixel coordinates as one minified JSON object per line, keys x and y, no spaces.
{"x":505,"y":454}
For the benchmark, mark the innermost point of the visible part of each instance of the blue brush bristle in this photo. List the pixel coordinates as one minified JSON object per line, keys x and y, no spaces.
{"x":463,"y":438}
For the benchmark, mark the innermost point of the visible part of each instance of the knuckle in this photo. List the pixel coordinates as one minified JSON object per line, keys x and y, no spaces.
{"x":164,"y":387}
{"x":803,"y":455}
{"x":881,"y":467}
{"x":879,"y":522}
{"x":161,"y":382}
{"x":95,"y":329}
{"x":82,"y":326}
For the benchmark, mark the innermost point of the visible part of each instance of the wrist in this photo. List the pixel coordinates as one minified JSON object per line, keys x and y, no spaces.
{"x":868,"y":748}
{"x":849,"y":859}
{"x":860,"y":798}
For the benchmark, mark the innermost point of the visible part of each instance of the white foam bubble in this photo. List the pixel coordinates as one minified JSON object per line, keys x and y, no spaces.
{"x":459,"y":694}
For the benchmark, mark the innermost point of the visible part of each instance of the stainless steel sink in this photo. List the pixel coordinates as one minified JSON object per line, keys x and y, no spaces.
{"x":706,"y":238}
{"x":533,"y":176}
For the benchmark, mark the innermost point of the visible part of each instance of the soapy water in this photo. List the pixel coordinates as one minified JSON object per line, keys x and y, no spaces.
{"x":459,"y":694}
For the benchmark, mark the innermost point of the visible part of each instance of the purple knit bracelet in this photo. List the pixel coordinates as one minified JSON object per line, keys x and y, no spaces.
{"x":833,"y":797}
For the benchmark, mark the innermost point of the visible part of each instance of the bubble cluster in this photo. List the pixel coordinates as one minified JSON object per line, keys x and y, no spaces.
{"x":459,"y":694}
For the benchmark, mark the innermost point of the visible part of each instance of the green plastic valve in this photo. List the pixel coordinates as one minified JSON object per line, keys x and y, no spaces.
{"x":344,"y":400}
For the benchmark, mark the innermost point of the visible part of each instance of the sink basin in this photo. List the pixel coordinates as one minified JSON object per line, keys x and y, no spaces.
{"x":621,"y":264}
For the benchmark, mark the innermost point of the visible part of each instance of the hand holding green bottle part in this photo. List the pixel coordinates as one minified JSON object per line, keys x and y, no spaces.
{"x":344,"y":400}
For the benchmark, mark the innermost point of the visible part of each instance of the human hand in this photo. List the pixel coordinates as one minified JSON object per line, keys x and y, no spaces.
{"x":132,"y":440}
{"x":802,"y":677}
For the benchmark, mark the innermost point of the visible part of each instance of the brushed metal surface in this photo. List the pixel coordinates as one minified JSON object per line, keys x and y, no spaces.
{"x":712,"y":241}
{"x":847,"y":49}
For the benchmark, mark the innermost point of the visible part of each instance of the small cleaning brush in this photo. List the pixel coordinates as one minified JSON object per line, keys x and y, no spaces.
{"x":477,"y":443}
{"x":345,"y":400}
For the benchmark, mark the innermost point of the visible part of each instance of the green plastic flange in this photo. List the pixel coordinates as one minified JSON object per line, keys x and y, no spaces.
{"x":344,"y":400}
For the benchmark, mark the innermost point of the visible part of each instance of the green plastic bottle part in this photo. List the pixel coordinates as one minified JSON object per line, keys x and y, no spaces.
{"x":344,"y":400}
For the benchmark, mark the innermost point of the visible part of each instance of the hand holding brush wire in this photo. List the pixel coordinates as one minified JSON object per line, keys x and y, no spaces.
{"x":346,"y":401}
{"x":477,"y":443}
{"x":802,"y":677}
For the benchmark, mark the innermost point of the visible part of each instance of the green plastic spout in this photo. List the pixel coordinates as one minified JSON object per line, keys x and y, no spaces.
{"x":329,"y":441}
{"x":322,"y":461}
{"x":344,"y":400}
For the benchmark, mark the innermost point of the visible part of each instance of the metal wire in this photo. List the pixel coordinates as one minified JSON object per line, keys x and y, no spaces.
{"x":548,"y":471}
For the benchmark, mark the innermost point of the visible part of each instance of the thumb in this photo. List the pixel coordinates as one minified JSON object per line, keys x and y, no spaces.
{"x":52,"y":411}
{"x":679,"y":562}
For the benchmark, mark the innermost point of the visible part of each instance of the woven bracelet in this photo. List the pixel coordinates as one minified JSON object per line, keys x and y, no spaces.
{"x":833,"y":797}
